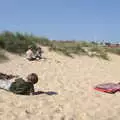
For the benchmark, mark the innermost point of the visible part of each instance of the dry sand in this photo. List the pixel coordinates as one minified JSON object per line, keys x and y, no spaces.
{"x":72,"y":79}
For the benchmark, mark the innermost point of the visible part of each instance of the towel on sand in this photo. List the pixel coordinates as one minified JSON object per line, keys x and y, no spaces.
{"x":108,"y":87}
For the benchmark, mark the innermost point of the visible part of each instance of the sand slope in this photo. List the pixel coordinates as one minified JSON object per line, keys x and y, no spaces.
{"x":72,"y":79}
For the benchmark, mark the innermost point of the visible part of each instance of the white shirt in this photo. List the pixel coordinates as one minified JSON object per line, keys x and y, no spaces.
{"x":29,"y":54}
{"x":5,"y":84}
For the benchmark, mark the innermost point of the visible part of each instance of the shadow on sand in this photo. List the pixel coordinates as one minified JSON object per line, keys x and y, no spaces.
{"x":47,"y":93}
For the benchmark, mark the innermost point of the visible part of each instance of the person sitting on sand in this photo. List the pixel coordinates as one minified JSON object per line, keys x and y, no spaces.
{"x":29,"y":54}
{"x":38,"y":53}
{"x":20,"y":86}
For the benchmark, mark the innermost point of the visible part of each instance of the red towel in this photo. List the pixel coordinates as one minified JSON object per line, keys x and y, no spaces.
{"x":108,"y":87}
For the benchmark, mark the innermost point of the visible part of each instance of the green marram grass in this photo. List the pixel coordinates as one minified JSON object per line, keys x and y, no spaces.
{"x":18,"y":43}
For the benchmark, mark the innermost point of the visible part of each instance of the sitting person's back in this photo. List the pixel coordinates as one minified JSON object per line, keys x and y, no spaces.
{"x":30,"y":54}
{"x":38,"y":53}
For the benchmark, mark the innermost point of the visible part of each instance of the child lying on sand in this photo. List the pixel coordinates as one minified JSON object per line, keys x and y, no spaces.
{"x":20,"y":86}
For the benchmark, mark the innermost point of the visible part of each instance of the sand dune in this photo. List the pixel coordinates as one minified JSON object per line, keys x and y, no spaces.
{"x":72,"y":79}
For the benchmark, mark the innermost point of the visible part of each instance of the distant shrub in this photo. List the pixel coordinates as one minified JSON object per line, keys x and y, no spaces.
{"x":2,"y":56}
{"x":19,"y":42}
{"x":113,"y":50}
{"x":14,"y":42}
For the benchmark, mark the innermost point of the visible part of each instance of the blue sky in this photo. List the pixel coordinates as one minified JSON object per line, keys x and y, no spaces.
{"x":63,"y":19}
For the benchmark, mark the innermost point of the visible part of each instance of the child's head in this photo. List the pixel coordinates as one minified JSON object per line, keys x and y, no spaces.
{"x":30,"y":47}
{"x":33,"y":78}
{"x":38,"y":48}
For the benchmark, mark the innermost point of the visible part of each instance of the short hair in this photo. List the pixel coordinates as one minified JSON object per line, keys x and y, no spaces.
{"x":39,"y":48}
{"x":33,"y":77}
{"x":29,"y":47}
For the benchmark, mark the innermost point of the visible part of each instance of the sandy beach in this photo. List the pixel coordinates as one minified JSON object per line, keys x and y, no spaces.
{"x":72,"y":80}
